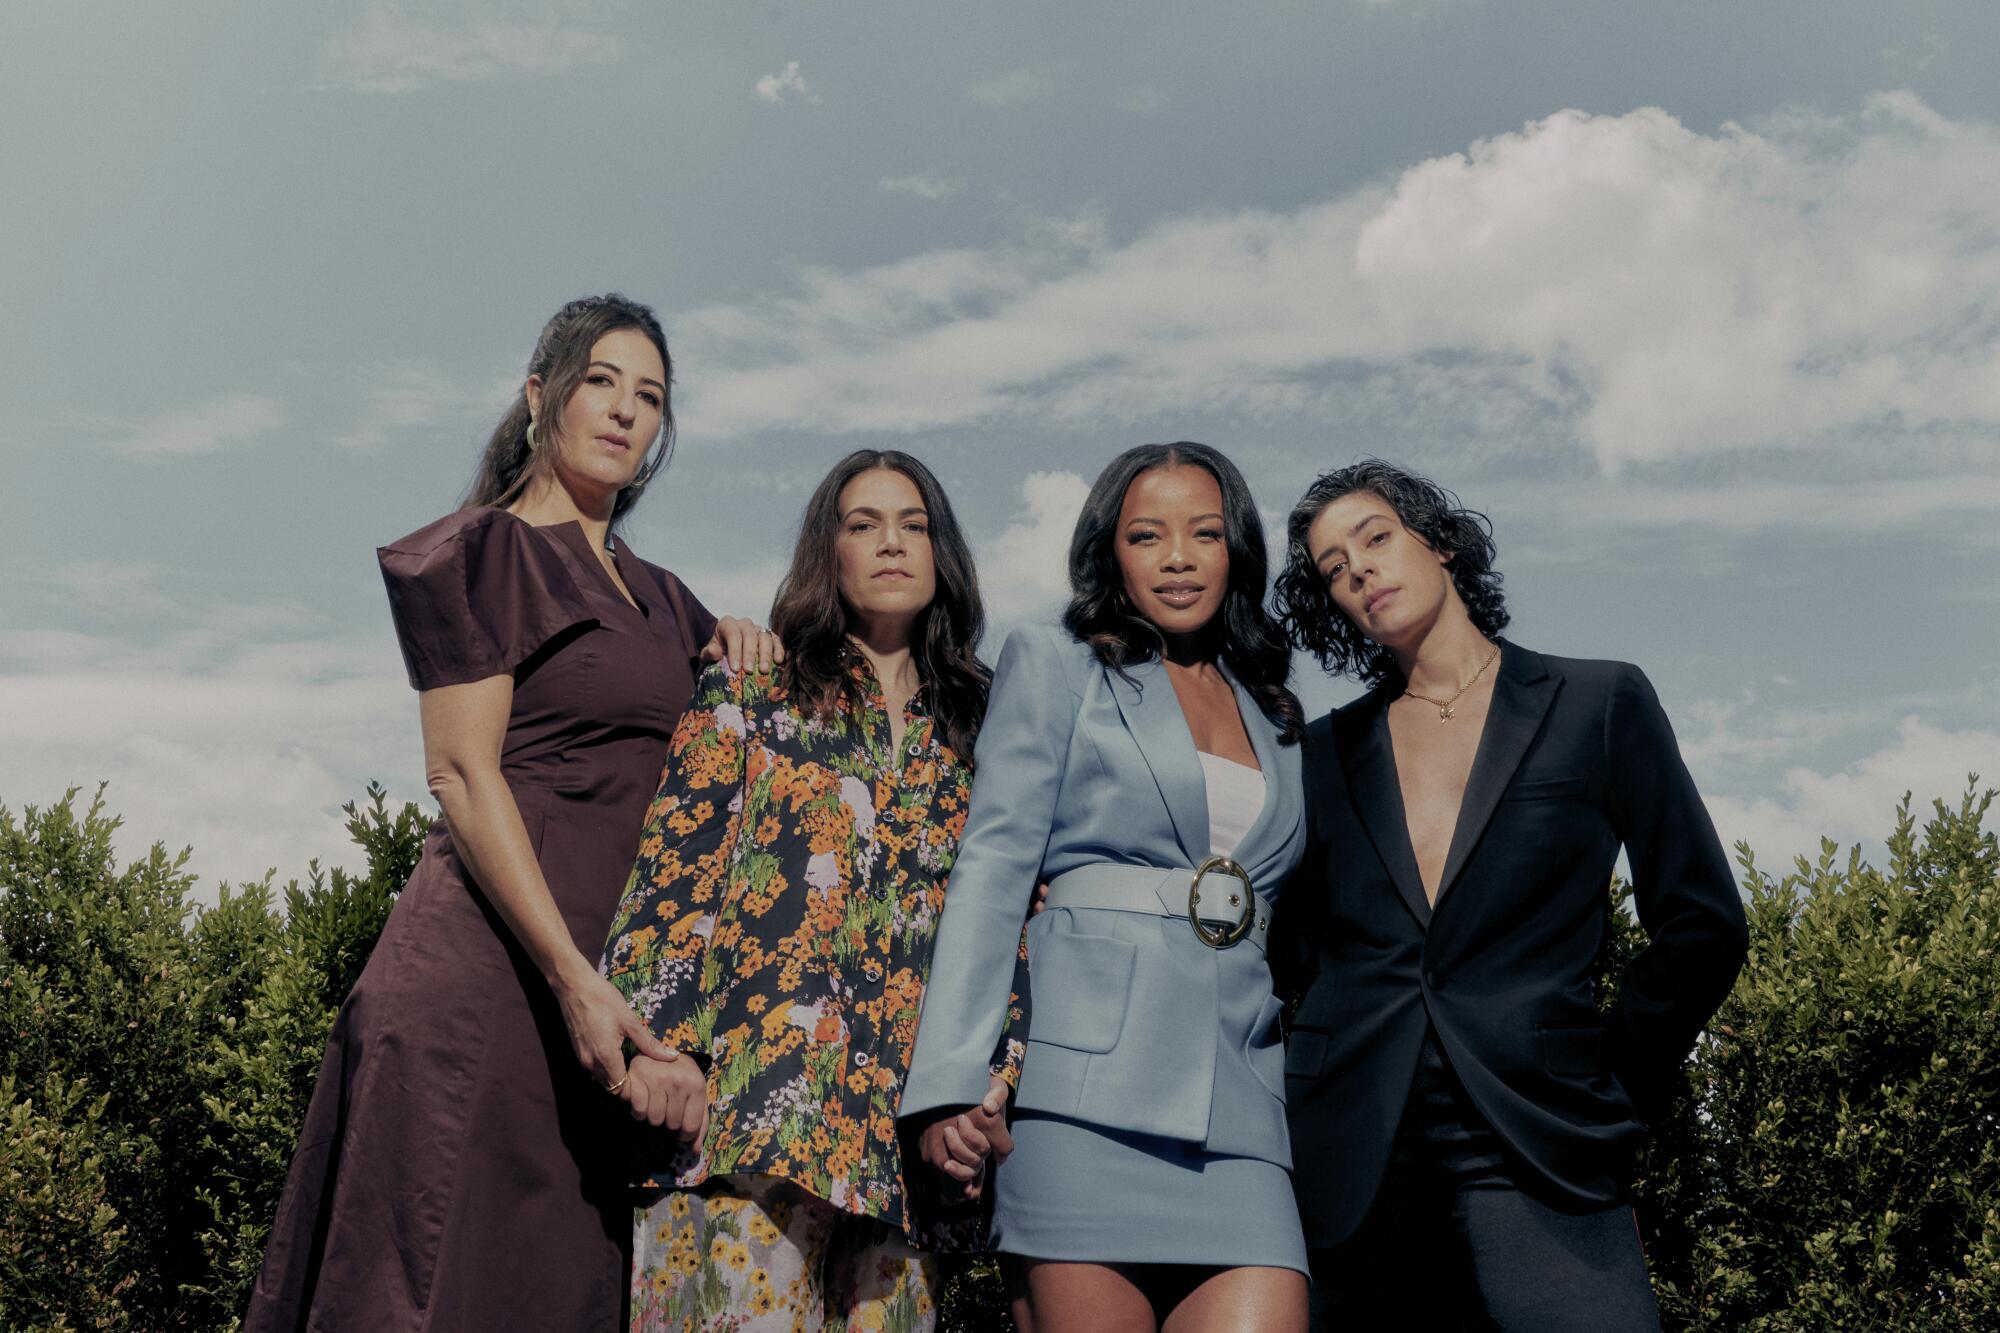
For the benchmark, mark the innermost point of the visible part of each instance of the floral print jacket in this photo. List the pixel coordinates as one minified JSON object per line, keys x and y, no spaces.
{"x":778,"y":925}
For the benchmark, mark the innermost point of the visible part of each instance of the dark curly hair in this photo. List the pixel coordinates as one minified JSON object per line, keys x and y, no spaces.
{"x":1427,"y":509}
{"x":1101,"y":615}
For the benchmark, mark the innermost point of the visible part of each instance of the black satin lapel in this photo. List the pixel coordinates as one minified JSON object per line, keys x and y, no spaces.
{"x":1153,"y":715}
{"x":1521,"y":698}
{"x":1370,"y":765}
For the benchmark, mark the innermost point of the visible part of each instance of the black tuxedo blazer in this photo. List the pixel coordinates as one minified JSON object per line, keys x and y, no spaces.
{"x":1576,"y":759}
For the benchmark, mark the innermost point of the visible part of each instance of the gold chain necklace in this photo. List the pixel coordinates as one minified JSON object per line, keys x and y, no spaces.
{"x":1446,"y":707}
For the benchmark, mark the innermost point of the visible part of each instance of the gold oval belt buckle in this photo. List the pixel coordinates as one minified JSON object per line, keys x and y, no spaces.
{"x":1228,"y":935}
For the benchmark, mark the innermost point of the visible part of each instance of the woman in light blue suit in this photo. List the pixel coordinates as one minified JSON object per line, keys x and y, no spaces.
{"x":1144,"y":764}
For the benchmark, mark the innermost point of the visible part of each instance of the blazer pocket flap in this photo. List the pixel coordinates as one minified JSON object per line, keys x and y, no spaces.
{"x":1305,"y":1053}
{"x":1548,"y":789}
{"x":1081,"y":984}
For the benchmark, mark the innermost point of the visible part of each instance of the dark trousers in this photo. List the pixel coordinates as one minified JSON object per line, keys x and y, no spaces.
{"x":1452,"y":1243}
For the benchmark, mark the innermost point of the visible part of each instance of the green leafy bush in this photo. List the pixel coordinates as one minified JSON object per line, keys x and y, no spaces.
{"x":1835,"y":1163}
{"x":100,"y":994}
{"x":173,"y":1049}
{"x":60,"y":1238}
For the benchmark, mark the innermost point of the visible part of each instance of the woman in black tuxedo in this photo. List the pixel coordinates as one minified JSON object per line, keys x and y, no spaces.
{"x":1463,"y":1121}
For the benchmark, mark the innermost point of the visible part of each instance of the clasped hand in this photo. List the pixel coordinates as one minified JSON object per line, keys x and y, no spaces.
{"x":960,"y":1145}
{"x":661,"y":1085}
{"x":667,"y":1093}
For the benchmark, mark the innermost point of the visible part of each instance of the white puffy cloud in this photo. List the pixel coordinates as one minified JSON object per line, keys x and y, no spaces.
{"x":248,"y":760}
{"x":398,"y":398}
{"x":102,"y":585}
{"x":1024,"y":571}
{"x":237,"y":419}
{"x":1580,"y":520}
{"x":744,"y":588}
{"x":1650,"y":291}
{"x":786,"y":83}
{"x":1711,"y":290}
{"x":1855,"y":803}
{"x":396,"y":49}
{"x":1141,"y":99}
{"x":922,"y":186}
{"x":1013,"y":86}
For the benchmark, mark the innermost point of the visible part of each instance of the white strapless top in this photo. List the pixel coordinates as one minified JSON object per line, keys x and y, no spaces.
{"x":1235,"y":799}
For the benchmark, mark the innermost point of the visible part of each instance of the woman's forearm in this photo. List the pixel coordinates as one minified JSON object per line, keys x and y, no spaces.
{"x":491,"y":838}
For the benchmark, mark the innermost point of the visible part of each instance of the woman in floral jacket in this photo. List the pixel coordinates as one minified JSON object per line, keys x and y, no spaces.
{"x":776,"y":931}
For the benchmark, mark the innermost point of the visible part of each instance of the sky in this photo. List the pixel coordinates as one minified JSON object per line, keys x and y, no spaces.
{"x":1699,"y":301}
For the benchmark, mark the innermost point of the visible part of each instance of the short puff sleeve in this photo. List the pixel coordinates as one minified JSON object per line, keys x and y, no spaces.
{"x":476,"y":594}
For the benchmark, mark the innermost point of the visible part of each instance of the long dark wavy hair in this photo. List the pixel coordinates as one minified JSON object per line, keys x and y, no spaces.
{"x":1427,"y":509}
{"x":561,"y":357}
{"x":810,"y":619}
{"x":1101,"y":615}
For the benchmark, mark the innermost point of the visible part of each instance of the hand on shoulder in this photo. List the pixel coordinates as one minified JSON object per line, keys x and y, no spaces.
{"x":742,"y":646}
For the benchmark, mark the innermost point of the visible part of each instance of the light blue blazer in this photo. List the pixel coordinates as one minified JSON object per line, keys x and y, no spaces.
{"x":1135,"y":1024}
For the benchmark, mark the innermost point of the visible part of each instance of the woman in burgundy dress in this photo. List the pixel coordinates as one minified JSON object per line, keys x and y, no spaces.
{"x":456,"y":1168}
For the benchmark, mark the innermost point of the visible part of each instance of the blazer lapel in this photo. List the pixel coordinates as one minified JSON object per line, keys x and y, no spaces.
{"x":1370,"y":765}
{"x":1153,"y":715}
{"x":1522,"y":694}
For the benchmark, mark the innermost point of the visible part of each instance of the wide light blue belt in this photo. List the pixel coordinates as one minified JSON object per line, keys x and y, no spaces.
{"x":1216,"y":898}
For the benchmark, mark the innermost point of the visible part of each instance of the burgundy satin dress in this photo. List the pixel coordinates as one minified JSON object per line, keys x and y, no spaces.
{"x":457,"y":1167}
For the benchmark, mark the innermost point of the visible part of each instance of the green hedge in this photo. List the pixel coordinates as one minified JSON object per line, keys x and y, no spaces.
{"x":157,"y":1061}
{"x":1835,"y":1164}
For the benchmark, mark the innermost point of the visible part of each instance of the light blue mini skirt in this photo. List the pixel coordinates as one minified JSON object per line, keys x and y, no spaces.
{"x":1082,"y":1192}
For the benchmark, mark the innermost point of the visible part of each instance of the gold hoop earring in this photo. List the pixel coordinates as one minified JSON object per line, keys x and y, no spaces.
{"x":531,"y":434}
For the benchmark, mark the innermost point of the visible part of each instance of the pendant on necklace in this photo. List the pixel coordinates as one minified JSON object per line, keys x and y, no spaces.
{"x":1444,"y":714}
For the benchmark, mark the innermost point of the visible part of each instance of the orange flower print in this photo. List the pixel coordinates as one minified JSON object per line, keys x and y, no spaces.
{"x":779,"y":920}
{"x":775,"y":1021}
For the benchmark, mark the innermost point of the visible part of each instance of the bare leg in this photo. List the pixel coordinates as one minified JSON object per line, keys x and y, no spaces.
{"x":1015,"y":1273}
{"x":1243,"y":1300}
{"x":1085,"y":1298}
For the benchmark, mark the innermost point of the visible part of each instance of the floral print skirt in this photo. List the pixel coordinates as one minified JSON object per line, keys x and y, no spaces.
{"x":756,"y":1253}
